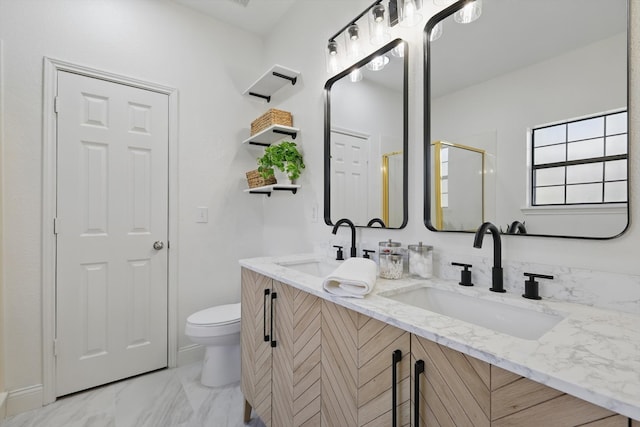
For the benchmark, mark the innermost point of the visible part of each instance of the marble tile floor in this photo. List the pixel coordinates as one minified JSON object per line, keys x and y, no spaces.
{"x":166,"y":398}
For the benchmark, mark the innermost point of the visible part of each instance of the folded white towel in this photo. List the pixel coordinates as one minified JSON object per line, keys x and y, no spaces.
{"x":355,"y":277}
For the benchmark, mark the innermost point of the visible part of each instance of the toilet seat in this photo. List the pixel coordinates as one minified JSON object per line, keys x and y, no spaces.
{"x":214,"y":322}
{"x":218,"y":315}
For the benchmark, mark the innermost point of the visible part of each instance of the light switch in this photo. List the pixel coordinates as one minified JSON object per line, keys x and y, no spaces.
{"x":202,"y":214}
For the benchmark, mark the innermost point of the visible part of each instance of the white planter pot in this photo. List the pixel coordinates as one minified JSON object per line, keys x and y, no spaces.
{"x":281,"y":177}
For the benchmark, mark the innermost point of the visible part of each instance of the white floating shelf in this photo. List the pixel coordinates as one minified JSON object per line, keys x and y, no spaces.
{"x":268,"y":189}
{"x":272,"y":81}
{"x":272,"y":134}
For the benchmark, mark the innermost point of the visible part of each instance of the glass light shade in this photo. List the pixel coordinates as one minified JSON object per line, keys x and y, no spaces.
{"x":355,"y":76}
{"x":469,"y":13}
{"x":332,"y":57}
{"x":436,"y":32}
{"x":410,"y":15}
{"x":378,"y":63}
{"x":378,"y":28}
{"x":354,"y":48}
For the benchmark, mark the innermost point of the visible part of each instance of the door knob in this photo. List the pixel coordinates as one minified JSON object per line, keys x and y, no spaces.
{"x":158,"y":245}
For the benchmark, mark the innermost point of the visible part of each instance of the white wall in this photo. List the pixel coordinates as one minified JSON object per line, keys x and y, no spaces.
{"x":210,"y":64}
{"x":2,"y":319}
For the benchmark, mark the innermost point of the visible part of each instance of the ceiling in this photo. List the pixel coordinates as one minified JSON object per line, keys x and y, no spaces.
{"x":512,"y":34}
{"x":255,"y":16}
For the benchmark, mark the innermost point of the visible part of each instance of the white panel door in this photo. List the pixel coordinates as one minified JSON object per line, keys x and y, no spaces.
{"x":349,"y":177}
{"x":112,"y":206}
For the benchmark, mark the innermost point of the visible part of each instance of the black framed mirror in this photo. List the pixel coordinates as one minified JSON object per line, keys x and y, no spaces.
{"x":366,"y":140}
{"x":541,"y":88}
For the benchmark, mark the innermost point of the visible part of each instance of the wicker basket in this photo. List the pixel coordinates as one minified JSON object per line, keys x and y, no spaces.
{"x":271,"y":117}
{"x":254,"y":179}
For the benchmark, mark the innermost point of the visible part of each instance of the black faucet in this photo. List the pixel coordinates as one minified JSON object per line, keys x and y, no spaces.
{"x":496,"y":271}
{"x":353,"y":233}
{"x":376,"y":221}
{"x":516,"y":227}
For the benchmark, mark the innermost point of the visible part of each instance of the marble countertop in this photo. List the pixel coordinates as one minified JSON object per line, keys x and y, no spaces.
{"x":593,"y":354}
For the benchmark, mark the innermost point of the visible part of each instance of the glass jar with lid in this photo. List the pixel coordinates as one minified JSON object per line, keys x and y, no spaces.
{"x":421,"y":260}
{"x":390,"y":260}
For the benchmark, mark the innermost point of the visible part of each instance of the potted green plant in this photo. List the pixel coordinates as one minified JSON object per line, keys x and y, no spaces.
{"x":284,"y":157}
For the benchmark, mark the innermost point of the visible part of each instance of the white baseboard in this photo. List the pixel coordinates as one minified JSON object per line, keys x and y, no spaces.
{"x":190,"y":354}
{"x":3,"y":405}
{"x":24,"y":399}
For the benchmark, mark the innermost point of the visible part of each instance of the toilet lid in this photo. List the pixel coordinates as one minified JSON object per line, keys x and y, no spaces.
{"x":218,"y":315}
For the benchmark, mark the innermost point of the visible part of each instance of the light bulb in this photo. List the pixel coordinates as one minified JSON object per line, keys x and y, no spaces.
{"x":353,"y":42}
{"x":469,"y":13}
{"x":353,"y":31}
{"x":332,"y":57}
{"x":378,"y":29}
{"x":378,"y":13}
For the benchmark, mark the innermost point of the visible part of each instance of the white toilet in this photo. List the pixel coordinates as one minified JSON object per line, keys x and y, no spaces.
{"x":218,"y":329}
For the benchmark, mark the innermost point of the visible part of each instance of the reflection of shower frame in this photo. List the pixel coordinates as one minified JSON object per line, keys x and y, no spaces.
{"x":438,"y":177}
{"x":385,"y":185}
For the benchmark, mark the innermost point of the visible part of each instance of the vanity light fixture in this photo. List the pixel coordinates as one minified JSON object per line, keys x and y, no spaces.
{"x":378,"y":28}
{"x":332,"y":58}
{"x":353,"y":41}
{"x":469,"y":13}
{"x":380,"y":19}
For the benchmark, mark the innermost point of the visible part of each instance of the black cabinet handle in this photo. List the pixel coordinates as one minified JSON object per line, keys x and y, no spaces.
{"x":396,"y":358}
{"x":274,"y":296}
{"x":418,"y":369}
{"x":264,"y":315}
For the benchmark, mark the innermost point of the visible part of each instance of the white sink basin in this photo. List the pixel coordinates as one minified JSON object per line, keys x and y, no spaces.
{"x":318,"y":268}
{"x":499,"y":316}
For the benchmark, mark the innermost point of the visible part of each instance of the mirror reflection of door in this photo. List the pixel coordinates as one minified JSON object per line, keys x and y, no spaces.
{"x":349,"y":175}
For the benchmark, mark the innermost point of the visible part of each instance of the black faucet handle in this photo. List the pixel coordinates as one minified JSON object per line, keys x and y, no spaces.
{"x":339,"y":253}
{"x":531,"y":287}
{"x":465,"y":275}
{"x":367,"y":252}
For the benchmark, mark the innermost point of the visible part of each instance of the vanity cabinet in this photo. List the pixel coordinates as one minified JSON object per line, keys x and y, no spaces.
{"x":361,"y":357}
{"x":280,"y":338}
{"x":519,"y":401}
{"x":307,"y":361}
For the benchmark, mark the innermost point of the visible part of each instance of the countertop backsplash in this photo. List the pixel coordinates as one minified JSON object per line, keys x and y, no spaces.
{"x":620,"y":292}
{"x":613,"y":291}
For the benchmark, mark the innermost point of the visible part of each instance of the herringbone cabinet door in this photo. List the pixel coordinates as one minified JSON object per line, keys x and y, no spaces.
{"x":296,"y":358}
{"x":376,"y":343}
{"x":339,"y":366}
{"x":256,"y":353}
{"x":454,"y":388}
